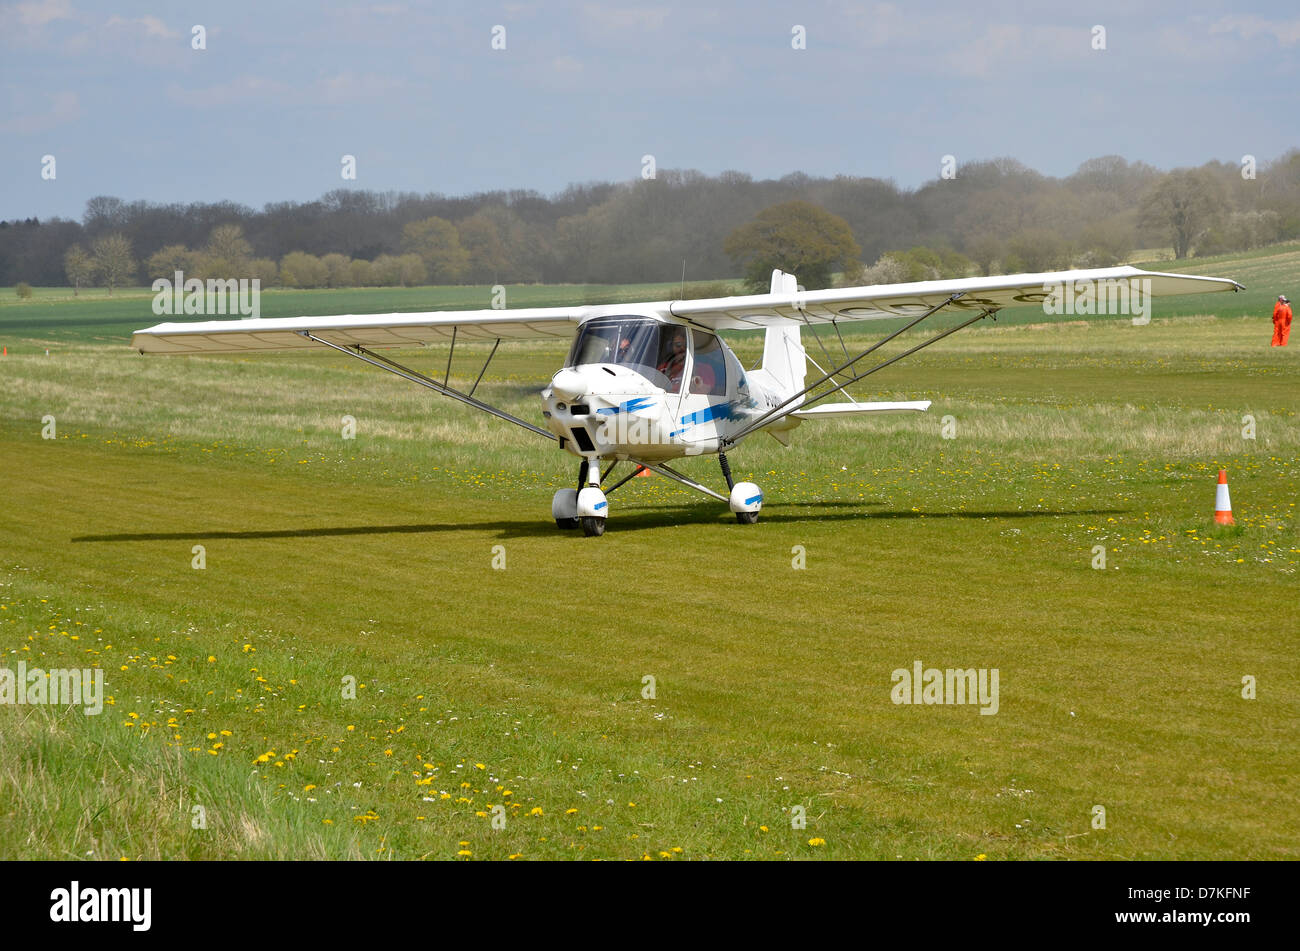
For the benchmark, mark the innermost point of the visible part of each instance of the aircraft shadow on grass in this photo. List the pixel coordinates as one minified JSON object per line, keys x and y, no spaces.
{"x":660,"y":517}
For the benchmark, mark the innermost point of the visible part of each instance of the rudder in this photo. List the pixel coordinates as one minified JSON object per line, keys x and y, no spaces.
{"x":783,"y":355}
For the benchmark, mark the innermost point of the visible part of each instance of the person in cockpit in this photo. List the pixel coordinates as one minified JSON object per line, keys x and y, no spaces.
{"x":674,"y":362}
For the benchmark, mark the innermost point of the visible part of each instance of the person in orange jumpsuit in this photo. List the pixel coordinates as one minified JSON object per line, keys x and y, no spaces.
{"x":1281,"y":321}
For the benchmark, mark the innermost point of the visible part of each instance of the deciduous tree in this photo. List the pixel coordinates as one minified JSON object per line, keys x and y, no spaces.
{"x":113,"y":261}
{"x":796,"y":236}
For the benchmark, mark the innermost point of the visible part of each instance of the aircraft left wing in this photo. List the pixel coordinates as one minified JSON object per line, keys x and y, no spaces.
{"x":884,"y":301}
{"x":367,"y":330}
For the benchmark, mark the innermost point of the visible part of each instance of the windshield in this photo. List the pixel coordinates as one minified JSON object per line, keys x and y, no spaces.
{"x":655,"y":350}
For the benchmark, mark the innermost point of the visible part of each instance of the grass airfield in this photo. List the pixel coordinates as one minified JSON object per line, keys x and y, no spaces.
{"x":518,"y":692}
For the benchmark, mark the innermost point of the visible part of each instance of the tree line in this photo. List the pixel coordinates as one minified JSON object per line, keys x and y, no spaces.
{"x":994,"y":216}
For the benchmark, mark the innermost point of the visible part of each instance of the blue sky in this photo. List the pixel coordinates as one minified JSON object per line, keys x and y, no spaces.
{"x":582,"y":91}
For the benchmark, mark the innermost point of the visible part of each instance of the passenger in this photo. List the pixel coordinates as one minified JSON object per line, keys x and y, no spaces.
{"x":674,"y":363}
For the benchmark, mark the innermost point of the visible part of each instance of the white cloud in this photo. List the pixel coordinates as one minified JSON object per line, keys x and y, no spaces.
{"x":35,"y":14}
{"x":625,"y":23}
{"x":351,"y":87}
{"x":150,"y":25}
{"x":237,"y":90}
{"x":1009,"y":45}
{"x":338,"y":89}
{"x":1249,"y":26}
{"x":60,"y":107}
{"x":24,"y":23}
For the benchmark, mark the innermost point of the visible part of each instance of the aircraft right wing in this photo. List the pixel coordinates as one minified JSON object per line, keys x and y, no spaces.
{"x":367,"y":330}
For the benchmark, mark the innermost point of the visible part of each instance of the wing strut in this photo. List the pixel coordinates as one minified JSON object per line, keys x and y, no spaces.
{"x":485,"y":366}
{"x":780,"y":411}
{"x":406,"y":373}
{"x":907,"y":353}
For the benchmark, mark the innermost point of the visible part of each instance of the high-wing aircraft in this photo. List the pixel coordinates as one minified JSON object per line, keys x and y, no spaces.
{"x":650,"y":383}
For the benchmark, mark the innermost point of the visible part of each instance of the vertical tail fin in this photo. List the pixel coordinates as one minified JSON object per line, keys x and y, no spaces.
{"x":783,"y":355}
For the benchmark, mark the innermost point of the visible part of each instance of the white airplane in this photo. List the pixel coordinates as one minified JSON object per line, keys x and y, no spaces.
{"x":653,"y":382}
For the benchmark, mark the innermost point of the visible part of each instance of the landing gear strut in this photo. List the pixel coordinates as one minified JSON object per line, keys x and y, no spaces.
{"x":591,"y":503}
{"x":586,"y":507}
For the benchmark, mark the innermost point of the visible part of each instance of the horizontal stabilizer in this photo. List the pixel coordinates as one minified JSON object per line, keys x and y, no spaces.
{"x":852,"y":409}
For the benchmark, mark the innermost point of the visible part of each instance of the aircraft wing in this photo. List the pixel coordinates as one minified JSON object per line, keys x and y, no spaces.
{"x":367,"y":330}
{"x":884,"y":301}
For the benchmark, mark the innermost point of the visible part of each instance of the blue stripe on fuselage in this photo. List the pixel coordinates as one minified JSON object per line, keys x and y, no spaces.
{"x":702,"y":416}
{"x":629,"y":406}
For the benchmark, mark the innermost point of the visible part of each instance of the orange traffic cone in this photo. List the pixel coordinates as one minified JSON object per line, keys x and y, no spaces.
{"x":642,"y":472}
{"x":1223,"y":504}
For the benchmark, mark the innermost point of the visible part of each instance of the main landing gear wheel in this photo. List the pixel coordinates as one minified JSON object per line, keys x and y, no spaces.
{"x":564,"y":508}
{"x":593,"y":525}
{"x":746,"y":501}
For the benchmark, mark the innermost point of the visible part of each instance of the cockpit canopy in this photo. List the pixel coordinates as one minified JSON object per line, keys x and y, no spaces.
{"x":652,"y":348}
{"x":661,"y":352}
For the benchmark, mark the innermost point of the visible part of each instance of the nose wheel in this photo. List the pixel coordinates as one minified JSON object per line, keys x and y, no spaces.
{"x":593,"y":525}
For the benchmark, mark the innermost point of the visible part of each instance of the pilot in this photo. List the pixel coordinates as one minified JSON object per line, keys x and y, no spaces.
{"x":675,"y":362}
{"x":624,"y":348}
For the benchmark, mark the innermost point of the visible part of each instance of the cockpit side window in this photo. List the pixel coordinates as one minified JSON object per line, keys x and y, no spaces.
{"x":672,"y":357}
{"x":709,"y":372}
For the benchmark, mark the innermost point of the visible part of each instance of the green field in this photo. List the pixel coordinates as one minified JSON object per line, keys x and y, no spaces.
{"x":522,"y":688}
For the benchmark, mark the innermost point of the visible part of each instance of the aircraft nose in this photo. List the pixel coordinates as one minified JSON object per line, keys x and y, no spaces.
{"x":569,"y":385}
